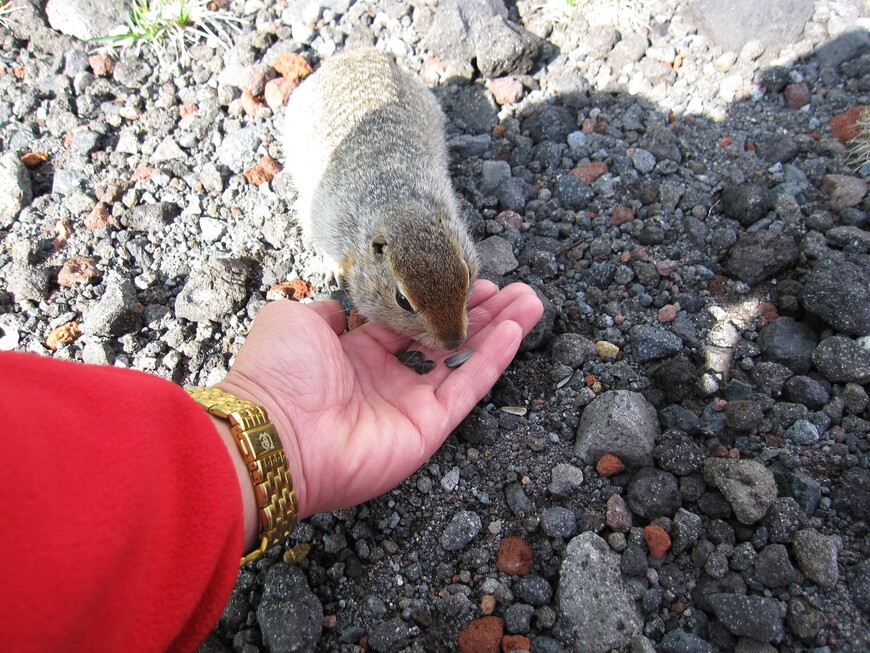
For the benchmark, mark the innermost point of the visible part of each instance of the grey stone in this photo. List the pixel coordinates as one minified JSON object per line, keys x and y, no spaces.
{"x":845,"y":191}
{"x":805,"y":490}
{"x":776,"y":147}
{"x":748,"y":616}
{"x":663,"y":143}
{"x":168,"y":150}
{"x":518,"y":618}
{"x":28,"y":282}
{"x":676,"y":417}
{"x":251,"y":78}
{"x":773,"y":567}
{"x":629,"y":49}
{"x":117,"y":312}
{"x":837,"y":289}
{"x":15,"y":188}
{"x":550,"y":123}
{"x":572,"y":193}
{"x":651,"y":343}
{"x":633,"y":561}
{"x":463,"y":528}
{"x":748,"y":486}
{"x":807,"y":391}
{"x":771,"y":377}
{"x":391,"y":635}
{"x":214,"y":291}
{"x":480,"y":30}
{"x":496,"y":257}
{"x":289,"y":614}
{"x":478,"y":428}
{"x":505,"y":48}
{"x":590,"y":586}
{"x":558,"y":521}
{"x":744,"y":416}
{"x":816,"y":555}
{"x":492,"y":174}
{"x":851,"y":493}
{"x":66,"y":181}
{"x":679,"y":454}
{"x":83,"y":19}
{"x":131,"y":72}
{"x":565,"y":480}
{"x":619,"y":422}
{"x":856,"y":398}
{"x":686,"y":528}
{"x":848,"y":45}
{"x":573,"y":350}
{"x":474,"y":111}
{"x":654,"y":493}
{"x":790,"y":343}
{"x":238,"y":149}
{"x":783,"y":520}
{"x":775,"y":23}
{"x":842,"y":360}
{"x":513,"y":193}
{"x":518,"y":501}
{"x":854,"y":240}
{"x":804,"y":620}
{"x":760,"y":255}
{"x":803,"y":432}
{"x":152,"y":217}
{"x":533,"y":589}
{"x":680,"y":641}
{"x":643,"y":160}
{"x":859,"y":584}
{"x":747,"y":203}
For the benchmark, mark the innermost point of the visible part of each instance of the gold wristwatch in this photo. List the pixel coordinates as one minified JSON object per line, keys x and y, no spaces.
{"x":260,"y":447}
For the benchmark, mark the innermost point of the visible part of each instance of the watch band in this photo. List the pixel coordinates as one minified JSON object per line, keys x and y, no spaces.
{"x":259,"y":445}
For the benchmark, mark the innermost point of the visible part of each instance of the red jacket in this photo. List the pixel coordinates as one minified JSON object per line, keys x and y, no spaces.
{"x":121,"y":519}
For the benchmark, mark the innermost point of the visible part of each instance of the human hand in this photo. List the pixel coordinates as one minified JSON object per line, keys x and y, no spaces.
{"x":353,"y":420}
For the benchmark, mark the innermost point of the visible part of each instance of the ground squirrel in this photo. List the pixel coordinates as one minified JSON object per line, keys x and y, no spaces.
{"x":365,"y":144}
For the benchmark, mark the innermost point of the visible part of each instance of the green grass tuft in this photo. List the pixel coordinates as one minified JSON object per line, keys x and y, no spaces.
{"x":6,"y":8}
{"x":170,"y":25}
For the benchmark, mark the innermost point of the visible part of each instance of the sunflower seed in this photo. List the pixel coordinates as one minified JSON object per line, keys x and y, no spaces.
{"x":514,"y":410}
{"x":564,"y":382}
{"x":459,"y":358}
{"x":410,"y":358}
{"x":424,"y":367}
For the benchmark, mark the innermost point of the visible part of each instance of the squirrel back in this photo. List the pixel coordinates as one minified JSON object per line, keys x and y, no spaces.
{"x":365,"y":144}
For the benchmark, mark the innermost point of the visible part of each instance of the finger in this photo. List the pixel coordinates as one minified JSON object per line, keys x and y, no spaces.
{"x":465,"y":386}
{"x":483,"y":289}
{"x":331,"y":312}
{"x":517,"y":302}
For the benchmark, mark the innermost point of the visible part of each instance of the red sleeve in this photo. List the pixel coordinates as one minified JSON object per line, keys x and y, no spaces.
{"x":121,"y":519}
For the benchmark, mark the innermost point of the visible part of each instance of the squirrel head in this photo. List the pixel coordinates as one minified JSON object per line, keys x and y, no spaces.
{"x":418,"y":277}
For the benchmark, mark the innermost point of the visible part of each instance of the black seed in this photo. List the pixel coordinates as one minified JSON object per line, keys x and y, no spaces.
{"x":410,"y":358}
{"x":424,"y":367}
{"x":459,"y":358}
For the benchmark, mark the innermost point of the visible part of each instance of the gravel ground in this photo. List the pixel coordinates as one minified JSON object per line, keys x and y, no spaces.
{"x":678,"y":459}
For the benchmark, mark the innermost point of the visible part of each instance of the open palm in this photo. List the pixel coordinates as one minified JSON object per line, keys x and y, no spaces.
{"x":353,"y":420}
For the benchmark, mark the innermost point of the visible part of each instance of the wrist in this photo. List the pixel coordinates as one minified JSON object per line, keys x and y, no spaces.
{"x":283,"y":426}
{"x":249,"y":502}
{"x":261,"y":453}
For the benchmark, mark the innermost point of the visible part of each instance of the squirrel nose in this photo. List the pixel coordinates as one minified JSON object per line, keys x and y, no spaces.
{"x":454,"y":343}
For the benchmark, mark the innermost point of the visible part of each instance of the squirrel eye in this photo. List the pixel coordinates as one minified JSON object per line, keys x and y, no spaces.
{"x":403,"y":302}
{"x":378,"y":245}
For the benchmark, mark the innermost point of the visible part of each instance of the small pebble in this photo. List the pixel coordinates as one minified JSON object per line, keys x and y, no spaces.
{"x":458,"y":358}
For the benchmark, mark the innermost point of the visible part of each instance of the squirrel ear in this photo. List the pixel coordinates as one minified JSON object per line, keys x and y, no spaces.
{"x":378,"y":245}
